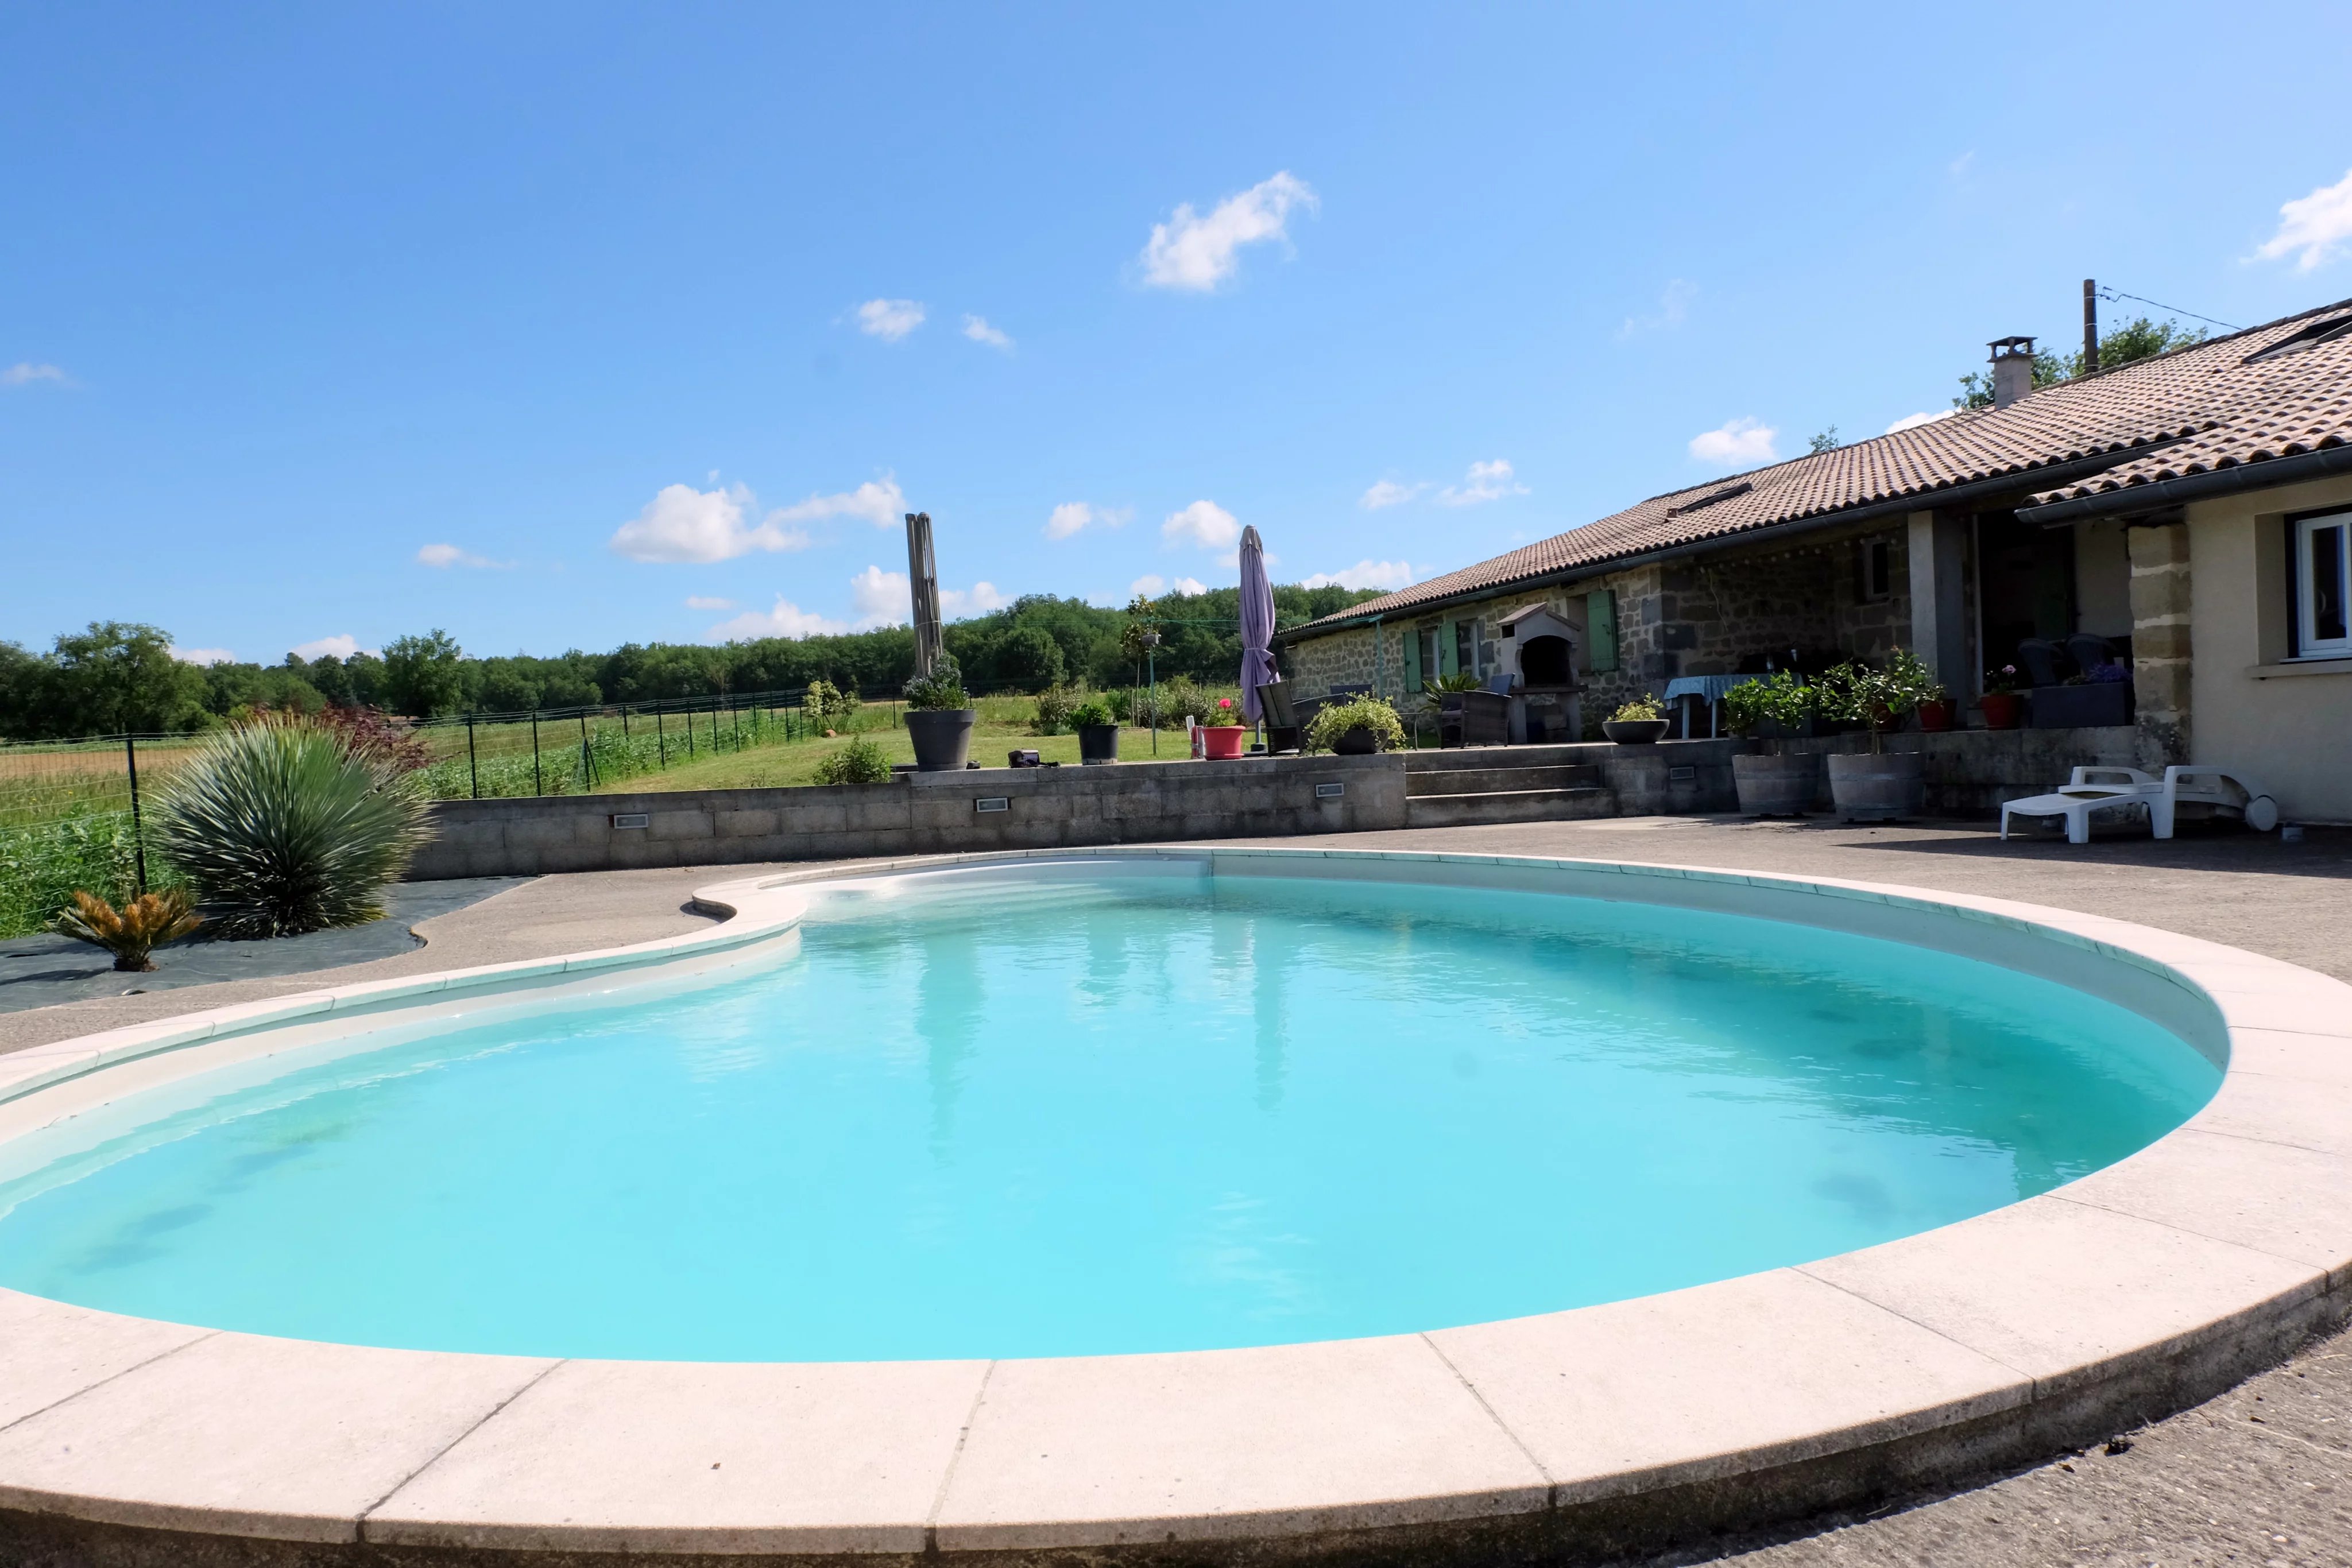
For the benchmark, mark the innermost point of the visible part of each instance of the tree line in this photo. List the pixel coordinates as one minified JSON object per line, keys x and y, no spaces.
{"x":121,"y":677}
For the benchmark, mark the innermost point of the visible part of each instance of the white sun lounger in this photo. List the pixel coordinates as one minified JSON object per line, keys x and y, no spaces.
{"x":2089,"y":790}
{"x":2123,"y":789}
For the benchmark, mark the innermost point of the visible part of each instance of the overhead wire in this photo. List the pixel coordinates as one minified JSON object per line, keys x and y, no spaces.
{"x":2113,"y":295}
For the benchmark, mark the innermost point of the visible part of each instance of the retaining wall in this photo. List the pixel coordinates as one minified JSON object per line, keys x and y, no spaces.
{"x":934,"y":814}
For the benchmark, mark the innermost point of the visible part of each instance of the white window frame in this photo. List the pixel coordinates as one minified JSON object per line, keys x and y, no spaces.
{"x":2308,"y":645}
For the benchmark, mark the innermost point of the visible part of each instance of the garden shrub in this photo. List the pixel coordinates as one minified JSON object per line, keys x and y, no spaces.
{"x":859,"y":762}
{"x":284,"y":827}
{"x":1055,"y":705}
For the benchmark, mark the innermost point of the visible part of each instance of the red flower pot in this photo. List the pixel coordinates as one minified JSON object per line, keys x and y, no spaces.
{"x":1937,"y":714}
{"x":2001,"y":709}
{"x":1222,"y":741}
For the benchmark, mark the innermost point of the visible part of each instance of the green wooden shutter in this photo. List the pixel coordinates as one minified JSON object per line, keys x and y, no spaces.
{"x":1448,"y":661}
{"x":1412,"y":660}
{"x":1601,"y":629}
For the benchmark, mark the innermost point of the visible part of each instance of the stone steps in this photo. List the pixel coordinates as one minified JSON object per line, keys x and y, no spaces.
{"x":1548,"y":805}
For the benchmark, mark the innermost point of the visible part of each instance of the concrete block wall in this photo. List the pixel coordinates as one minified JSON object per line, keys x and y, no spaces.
{"x":1046,"y":808}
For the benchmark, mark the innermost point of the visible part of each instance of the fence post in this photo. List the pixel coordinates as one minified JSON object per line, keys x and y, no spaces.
{"x":473,"y":763}
{"x":587,"y":760}
{"x":661,"y":741}
{"x":538,"y":785}
{"x":138,"y":833}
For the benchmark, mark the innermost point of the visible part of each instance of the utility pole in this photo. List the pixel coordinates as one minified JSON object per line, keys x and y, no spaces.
{"x":2090,"y":326}
{"x":923,"y":574}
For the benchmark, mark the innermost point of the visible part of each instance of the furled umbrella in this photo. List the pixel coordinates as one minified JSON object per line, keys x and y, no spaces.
{"x":1257,"y":624}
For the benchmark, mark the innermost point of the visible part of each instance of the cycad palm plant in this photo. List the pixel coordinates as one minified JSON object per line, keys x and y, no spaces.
{"x":286,"y":826}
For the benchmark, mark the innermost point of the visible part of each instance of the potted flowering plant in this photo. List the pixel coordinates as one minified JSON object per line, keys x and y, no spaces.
{"x":1226,"y":734}
{"x":2001,"y":702}
{"x":940,"y":717}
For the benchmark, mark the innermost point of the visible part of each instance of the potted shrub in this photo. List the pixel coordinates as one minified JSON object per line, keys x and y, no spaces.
{"x":1640,"y":722}
{"x":1778,"y":782}
{"x":2000,"y":703}
{"x":1097,"y":732}
{"x":938,"y":717}
{"x":1356,"y":728}
{"x":1878,"y":785}
{"x":1224,"y":732}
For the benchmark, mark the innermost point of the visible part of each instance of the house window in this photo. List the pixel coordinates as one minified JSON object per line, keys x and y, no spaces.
{"x":1432,"y":663}
{"x":1465,"y":646}
{"x":2323,"y":587}
{"x":1874,"y":573}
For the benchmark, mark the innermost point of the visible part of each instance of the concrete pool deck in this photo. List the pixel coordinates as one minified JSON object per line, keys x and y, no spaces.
{"x":1216,"y":1437}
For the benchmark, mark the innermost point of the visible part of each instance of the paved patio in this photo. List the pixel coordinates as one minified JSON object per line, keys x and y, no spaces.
{"x":2261,"y":1475}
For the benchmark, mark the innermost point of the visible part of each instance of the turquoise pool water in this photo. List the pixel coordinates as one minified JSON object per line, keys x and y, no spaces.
{"x":1081,"y":1111}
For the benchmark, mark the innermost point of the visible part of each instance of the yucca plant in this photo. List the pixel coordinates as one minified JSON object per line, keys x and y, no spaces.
{"x":134,"y":931}
{"x":286,"y":826}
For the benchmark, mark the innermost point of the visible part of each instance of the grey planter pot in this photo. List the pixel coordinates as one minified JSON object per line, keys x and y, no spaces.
{"x":1098,"y":743}
{"x":1777,"y":786}
{"x":1355,"y":743}
{"x":1636,"y":731}
{"x":943,"y":738}
{"x":1867,"y":788}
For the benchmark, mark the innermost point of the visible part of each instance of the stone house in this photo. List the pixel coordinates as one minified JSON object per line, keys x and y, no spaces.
{"x":2193,"y":510}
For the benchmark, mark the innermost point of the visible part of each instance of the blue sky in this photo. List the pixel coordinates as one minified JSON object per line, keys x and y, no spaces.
{"x":562,"y":326}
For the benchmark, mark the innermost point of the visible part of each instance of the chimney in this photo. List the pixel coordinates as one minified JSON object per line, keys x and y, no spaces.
{"x":2012,"y":370}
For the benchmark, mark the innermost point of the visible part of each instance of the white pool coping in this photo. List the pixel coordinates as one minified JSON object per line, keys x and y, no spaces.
{"x":2122,"y":1295}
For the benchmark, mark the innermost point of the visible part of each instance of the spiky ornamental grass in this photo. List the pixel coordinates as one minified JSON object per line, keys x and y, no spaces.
{"x":286,"y":826}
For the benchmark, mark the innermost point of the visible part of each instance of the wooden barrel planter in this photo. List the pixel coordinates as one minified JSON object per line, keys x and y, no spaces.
{"x":1777,"y":786}
{"x":1867,"y":788}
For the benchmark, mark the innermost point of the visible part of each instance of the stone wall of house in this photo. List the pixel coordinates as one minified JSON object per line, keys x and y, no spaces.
{"x":1691,"y":617}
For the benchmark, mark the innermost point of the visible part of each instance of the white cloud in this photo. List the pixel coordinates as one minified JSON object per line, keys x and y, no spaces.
{"x":445,"y":556}
{"x":342,"y":646}
{"x":889,"y":320}
{"x":978,"y":599}
{"x":2316,"y":225}
{"x":697,"y":601}
{"x":879,"y":502}
{"x":684,"y":524}
{"x":1741,"y":440}
{"x":786,"y":620}
{"x":24,"y":373}
{"x":1190,"y":251}
{"x":1151,"y":585}
{"x":1364,"y":574}
{"x":1388,"y":493}
{"x":883,"y":598}
{"x":1071,"y":517}
{"x":976,"y":329}
{"x":1913,"y":420}
{"x":1674,"y":309}
{"x":1204,"y":523}
{"x":1189,"y":585}
{"x":1959,"y":166}
{"x":1484,"y":482}
{"x":203,"y":656}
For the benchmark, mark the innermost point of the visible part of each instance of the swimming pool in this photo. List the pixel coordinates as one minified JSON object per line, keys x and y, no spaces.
{"x":1095,"y":1107}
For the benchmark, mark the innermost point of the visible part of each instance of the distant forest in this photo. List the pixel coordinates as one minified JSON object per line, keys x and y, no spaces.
{"x":121,"y":677}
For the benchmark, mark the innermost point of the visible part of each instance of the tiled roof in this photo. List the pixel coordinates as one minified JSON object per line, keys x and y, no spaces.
{"x":2202,"y":405}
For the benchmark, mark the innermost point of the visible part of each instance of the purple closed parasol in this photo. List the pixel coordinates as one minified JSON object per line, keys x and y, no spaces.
{"x":1257,"y":624}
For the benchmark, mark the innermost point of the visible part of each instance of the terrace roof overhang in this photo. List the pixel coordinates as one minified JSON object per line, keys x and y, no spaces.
{"x":2162,"y":494}
{"x":1971,"y":494}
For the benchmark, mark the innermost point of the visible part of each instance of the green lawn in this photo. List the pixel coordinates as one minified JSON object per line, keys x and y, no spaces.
{"x":1003,"y":725}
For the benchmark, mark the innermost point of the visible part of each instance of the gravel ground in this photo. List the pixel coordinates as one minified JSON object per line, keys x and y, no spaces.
{"x":2261,"y":1475}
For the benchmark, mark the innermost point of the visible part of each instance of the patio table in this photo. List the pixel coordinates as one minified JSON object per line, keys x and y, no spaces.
{"x":1709,"y":689}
